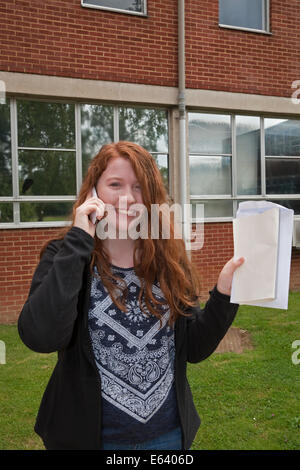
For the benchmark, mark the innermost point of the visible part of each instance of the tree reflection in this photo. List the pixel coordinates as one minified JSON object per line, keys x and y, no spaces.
{"x":46,"y":148}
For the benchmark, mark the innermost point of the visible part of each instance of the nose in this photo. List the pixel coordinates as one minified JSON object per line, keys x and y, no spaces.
{"x":126,"y":199}
{"x":129,"y":195}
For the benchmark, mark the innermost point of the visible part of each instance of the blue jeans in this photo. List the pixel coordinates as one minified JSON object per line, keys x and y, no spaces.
{"x":169,"y":441}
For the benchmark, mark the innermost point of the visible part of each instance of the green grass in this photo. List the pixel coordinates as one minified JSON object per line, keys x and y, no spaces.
{"x":246,"y":401}
{"x":251,"y":401}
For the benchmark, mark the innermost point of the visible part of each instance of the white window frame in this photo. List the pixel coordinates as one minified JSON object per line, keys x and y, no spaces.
{"x":116,"y":10}
{"x":235,"y":197}
{"x":16,"y":198}
{"x":265,"y":17}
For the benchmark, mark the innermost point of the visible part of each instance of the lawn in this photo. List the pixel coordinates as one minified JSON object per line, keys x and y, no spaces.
{"x":246,"y":401}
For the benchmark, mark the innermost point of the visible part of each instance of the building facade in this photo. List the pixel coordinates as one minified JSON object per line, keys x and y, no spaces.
{"x":76,"y":74}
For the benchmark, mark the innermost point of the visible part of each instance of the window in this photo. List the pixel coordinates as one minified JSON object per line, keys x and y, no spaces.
{"x":244,"y":14}
{"x":135,"y":7}
{"x":282,"y":142}
{"x":237,"y":157}
{"x":210,"y":149}
{"x":46,"y":147}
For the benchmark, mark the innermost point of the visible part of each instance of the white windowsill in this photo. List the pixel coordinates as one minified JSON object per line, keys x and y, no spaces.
{"x":114,"y":10}
{"x":249,"y":30}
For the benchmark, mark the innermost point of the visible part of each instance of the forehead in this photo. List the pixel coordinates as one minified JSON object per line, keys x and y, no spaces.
{"x":119,"y":166}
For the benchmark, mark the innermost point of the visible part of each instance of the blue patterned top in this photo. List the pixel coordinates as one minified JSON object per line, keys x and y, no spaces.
{"x":135,"y":360}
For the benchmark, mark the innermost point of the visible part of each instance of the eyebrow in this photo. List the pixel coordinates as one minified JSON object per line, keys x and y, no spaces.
{"x":117,"y":178}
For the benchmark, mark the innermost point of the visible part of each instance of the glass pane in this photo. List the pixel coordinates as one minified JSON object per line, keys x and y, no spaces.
{"x":6,"y":212}
{"x":210,"y":175}
{"x":290,"y":204}
{"x":47,"y":172}
{"x":242,"y":13}
{"x":5,"y":151}
{"x":130,"y":5}
{"x":282,"y":176}
{"x":49,"y":125}
{"x":248,"y":154}
{"x":45,"y":211}
{"x":97,"y":129}
{"x":282,"y":137}
{"x":146,"y":127}
{"x":209,"y":133}
{"x":213,"y":208}
{"x":162,"y":163}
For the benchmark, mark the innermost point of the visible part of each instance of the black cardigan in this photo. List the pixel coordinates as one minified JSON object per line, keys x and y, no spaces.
{"x":55,"y":318}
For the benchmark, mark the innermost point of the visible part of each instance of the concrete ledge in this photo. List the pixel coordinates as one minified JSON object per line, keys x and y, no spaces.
{"x":78,"y":89}
{"x":220,"y":100}
{"x":46,"y":86}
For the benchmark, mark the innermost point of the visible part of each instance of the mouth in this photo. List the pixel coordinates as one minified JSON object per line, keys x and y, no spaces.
{"x":130,"y":213}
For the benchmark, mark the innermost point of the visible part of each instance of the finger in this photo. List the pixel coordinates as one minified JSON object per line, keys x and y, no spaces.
{"x":237,"y":262}
{"x":233,"y":264}
{"x":100,"y":211}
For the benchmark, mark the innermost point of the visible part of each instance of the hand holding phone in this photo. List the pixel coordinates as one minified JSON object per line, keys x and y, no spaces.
{"x":93,"y":215}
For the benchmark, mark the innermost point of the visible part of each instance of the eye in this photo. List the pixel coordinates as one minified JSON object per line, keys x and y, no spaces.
{"x":115,"y":184}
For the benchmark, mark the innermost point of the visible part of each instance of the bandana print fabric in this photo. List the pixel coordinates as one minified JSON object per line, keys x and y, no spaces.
{"x":135,"y":360}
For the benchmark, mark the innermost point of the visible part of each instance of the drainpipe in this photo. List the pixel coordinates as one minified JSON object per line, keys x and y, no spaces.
{"x":182,"y":122}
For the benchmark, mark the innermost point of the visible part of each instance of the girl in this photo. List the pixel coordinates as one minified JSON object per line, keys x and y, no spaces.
{"x":123,"y":314}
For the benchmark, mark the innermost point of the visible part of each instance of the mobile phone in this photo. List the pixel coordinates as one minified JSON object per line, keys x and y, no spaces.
{"x":93,"y":215}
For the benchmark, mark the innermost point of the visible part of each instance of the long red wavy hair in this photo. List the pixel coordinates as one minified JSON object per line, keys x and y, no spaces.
{"x":163,"y":259}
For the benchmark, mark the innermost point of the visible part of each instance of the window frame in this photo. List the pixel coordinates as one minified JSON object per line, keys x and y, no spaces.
{"x":265,"y":18}
{"x":235,"y":197}
{"x":117,"y":10}
{"x":16,"y":198}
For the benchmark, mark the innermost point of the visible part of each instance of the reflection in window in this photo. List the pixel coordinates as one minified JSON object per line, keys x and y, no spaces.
{"x":213,"y":208}
{"x":248,"y":155}
{"x":5,"y":151}
{"x":46,"y":125}
{"x":45,"y":211}
{"x":282,"y":137}
{"x":244,"y":14}
{"x":283,"y":176}
{"x":290,"y":204}
{"x":47,"y":172}
{"x":6,"y":212}
{"x":210,"y":175}
{"x":138,"y":6}
{"x":209,"y":134}
{"x":146,"y":127}
{"x":46,"y":149}
{"x":97,"y":129}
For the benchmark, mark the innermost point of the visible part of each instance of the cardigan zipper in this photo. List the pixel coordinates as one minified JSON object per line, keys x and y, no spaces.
{"x":91,"y":355}
{"x":176,"y":385}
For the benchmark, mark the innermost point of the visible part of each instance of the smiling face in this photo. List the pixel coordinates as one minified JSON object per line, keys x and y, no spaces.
{"x":119,"y":187}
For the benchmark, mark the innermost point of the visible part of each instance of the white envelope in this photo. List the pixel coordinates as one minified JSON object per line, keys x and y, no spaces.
{"x":263,"y":236}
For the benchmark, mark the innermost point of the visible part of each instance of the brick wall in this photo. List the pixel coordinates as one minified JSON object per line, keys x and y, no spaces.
{"x":240,"y":61}
{"x":295,"y":270}
{"x":19,"y":255}
{"x":216,"y":251}
{"x":64,"y":39}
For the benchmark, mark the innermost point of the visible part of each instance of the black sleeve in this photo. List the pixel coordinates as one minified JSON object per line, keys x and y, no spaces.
{"x":47,"y":318}
{"x":207,"y":327}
